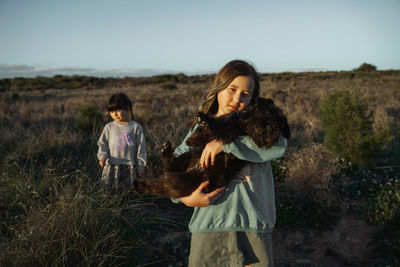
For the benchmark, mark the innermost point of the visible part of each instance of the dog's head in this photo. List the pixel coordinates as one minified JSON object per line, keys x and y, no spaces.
{"x":269,"y":121}
{"x":265,"y":131}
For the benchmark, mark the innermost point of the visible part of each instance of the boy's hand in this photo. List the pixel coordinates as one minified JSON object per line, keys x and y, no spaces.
{"x":210,"y":151}
{"x":200,"y":199}
{"x":101,"y":162}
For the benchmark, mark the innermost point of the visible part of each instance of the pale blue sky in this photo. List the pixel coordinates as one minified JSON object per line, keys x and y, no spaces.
{"x":197,"y":36}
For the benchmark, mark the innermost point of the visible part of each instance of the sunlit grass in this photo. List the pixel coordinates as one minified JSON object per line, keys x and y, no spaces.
{"x":54,"y":211}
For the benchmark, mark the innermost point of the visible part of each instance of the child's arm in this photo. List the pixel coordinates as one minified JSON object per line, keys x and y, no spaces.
{"x":198,"y":198}
{"x":102,"y":162}
{"x":104,"y":150}
{"x":243,"y":148}
{"x":183,"y":147}
{"x":141,"y":151}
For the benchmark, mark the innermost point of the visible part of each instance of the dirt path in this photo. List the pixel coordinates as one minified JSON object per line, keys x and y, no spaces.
{"x":348,"y":244}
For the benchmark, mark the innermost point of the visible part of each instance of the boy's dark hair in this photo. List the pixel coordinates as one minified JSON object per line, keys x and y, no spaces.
{"x":119,"y":102}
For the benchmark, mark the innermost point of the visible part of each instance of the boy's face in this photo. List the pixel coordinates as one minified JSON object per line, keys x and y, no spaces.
{"x":120,"y":116}
{"x":236,"y":96}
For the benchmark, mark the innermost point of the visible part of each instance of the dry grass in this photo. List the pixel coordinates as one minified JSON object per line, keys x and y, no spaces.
{"x":80,"y":224}
{"x":312,"y":166}
{"x":39,"y":148}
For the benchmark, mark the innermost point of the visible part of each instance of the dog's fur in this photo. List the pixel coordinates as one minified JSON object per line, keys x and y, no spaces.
{"x":264,"y":122}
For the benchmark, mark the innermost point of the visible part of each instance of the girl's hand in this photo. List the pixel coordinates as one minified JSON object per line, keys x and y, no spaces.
{"x":139,"y":173}
{"x":210,"y":151}
{"x":199,"y":199}
{"x":101,"y":162}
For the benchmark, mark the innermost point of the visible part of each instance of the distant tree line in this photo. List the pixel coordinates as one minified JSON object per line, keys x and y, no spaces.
{"x":87,"y":82}
{"x":169,"y":81}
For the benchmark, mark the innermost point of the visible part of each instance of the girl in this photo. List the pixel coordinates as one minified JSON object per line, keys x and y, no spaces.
{"x":122,"y":147}
{"x":232,"y":226}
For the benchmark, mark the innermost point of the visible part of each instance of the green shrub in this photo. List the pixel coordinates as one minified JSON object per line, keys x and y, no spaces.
{"x":363,"y":184}
{"x":279,"y":170}
{"x":385,"y":204}
{"x":89,"y":119}
{"x":347,"y":125}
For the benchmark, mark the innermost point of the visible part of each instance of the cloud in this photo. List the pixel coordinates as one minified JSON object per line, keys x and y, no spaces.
{"x":27,"y":71}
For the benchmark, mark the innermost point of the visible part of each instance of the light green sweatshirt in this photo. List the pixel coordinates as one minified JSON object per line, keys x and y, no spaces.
{"x":249,"y":201}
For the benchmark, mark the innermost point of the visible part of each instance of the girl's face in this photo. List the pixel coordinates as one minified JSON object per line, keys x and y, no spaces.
{"x":120,"y":116}
{"x":236,"y":96}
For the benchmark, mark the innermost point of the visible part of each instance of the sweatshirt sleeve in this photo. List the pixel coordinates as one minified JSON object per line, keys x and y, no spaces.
{"x":141,"y":148}
{"x":179,"y":150}
{"x":104,"y":150}
{"x":244,"y":148}
{"x":183,"y":147}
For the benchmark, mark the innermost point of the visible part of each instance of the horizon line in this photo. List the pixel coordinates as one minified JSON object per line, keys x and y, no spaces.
{"x":10,"y":71}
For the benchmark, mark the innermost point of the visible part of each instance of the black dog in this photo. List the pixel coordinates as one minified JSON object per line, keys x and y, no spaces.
{"x":264,"y":122}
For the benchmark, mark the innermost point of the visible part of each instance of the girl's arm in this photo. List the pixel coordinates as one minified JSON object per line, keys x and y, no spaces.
{"x":198,"y":198}
{"x":183,"y":147}
{"x":243,"y":148}
{"x":104,"y":150}
{"x":141,"y":150}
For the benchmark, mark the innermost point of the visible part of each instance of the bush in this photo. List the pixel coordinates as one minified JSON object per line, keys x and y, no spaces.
{"x":363,"y":184}
{"x":182,"y":78}
{"x":5,"y":85}
{"x":279,"y":170}
{"x":385,"y":204}
{"x":366,"y":67}
{"x":89,"y":119}
{"x":347,"y":125}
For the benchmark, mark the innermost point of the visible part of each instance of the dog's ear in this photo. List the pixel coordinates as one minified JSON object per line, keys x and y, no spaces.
{"x":269,"y":101}
{"x":201,"y":119}
{"x":264,"y":102}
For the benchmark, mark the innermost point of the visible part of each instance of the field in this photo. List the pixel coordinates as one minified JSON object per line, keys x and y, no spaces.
{"x":54,"y":211}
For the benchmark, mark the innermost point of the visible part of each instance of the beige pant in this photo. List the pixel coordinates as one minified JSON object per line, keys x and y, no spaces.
{"x":231,"y":249}
{"x":119,"y":176}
